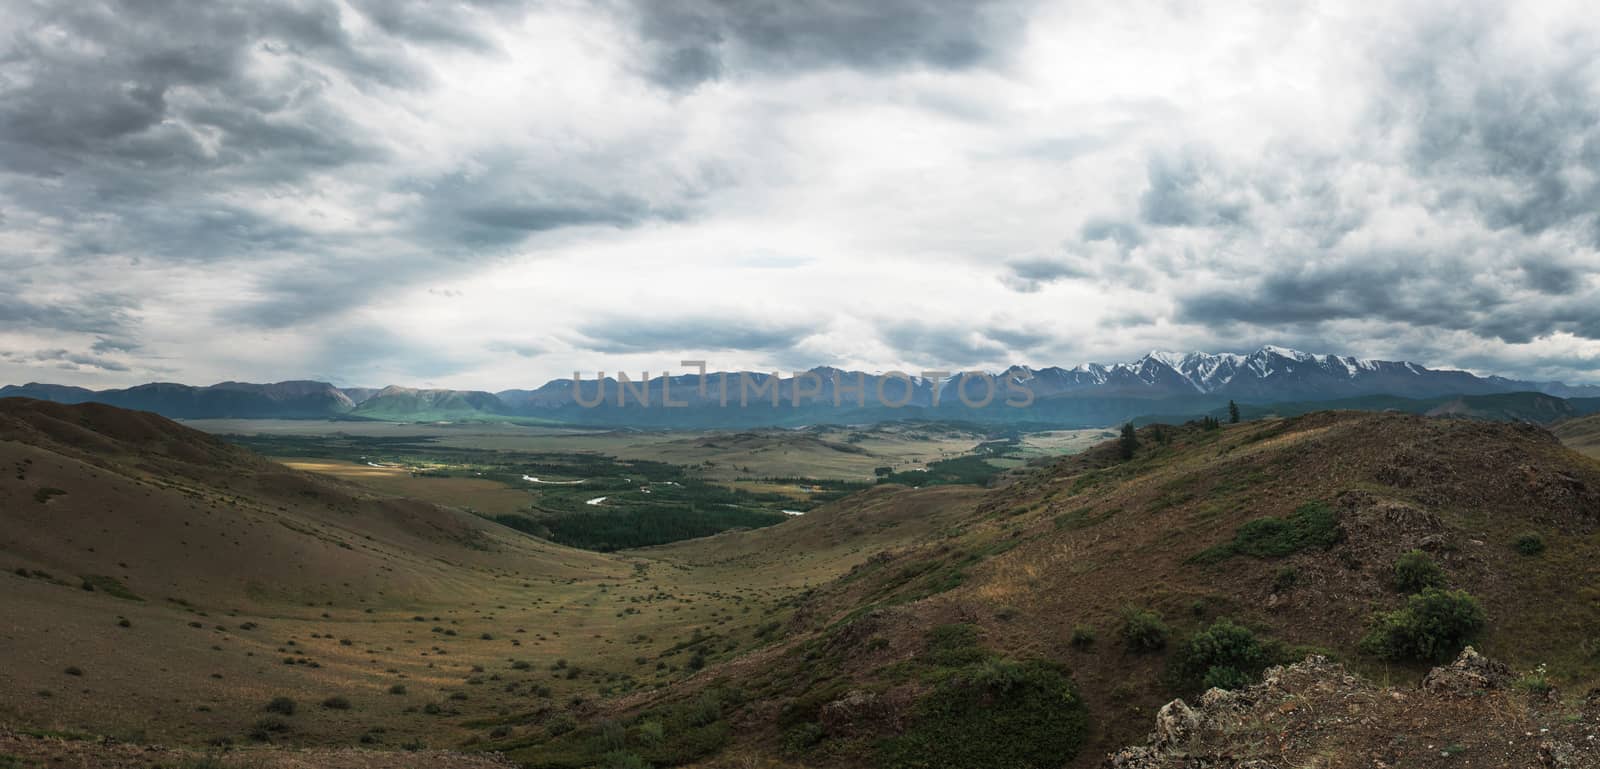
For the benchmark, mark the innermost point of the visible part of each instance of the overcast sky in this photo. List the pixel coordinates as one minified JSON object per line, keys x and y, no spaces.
{"x":491,"y":194}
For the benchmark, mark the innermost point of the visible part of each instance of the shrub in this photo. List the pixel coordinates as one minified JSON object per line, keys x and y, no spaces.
{"x":1083,"y":636}
{"x":802,"y":738}
{"x":1312,"y":525}
{"x":73,"y":671}
{"x":1143,"y":630}
{"x":43,"y":495}
{"x":108,"y":585}
{"x":652,"y":732}
{"x":336,"y":703}
{"x":1224,"y":656}
{"x":266,"y":727}
{"x":560,"y":724}
{"x":397,"y":689}
{"x":1434,"y":626}
{"x":998,"y":713}
{"x":622,"y":759}
{"x":1414,"y":571}
{"x":1529,"y":543}
{"x":614,"y":735}
{"x":954,"y":645}
{"x":282,"y":705}
{"x":1285,"y":579}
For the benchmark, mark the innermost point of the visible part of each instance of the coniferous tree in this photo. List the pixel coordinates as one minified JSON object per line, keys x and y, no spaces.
{"x":1129,"y":442}
{"x":1233,"y":413}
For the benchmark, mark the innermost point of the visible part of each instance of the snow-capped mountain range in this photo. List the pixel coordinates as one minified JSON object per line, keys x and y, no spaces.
{"x":1158,"y":383}
{"x":1273,"y":373}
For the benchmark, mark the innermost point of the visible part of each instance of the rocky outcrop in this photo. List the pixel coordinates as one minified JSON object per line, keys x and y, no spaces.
{"x":1316,"y":713}
{"x":1472,"y":674}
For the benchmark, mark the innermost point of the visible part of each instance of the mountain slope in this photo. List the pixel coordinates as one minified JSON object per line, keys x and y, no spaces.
{"x":1582,"y":434}
{"x":396,"y":402}
{"x":1044,"y":570}
{"x":237,"y":400}
{"x":186,"y":582}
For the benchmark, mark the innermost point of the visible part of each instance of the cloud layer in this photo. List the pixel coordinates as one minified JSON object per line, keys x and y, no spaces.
{"x":489,"y":194}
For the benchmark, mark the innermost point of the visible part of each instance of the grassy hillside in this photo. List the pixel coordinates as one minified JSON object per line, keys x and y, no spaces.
{"x":1537,"y":408}
{"x":1582,"y":435}
{"x":162,"y":585}
{"x":1207,"y":556}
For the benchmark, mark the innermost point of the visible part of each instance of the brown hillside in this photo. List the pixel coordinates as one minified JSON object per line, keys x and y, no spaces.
{"x":185,"y":582}
{"x":1582,"y":434}
{"x":1073,"y":545}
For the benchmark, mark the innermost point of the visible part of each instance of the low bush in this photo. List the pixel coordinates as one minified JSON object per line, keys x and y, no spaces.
{"x":1082,"y":636}
{"x":1224,"y":656}
{"x":1415,"y":571}
{"x":266,"y":727}
{"x":1311,"y":526}
{"x":954,"y":645}
{"x":1434,"y":626}
{"x":282,"y":705}
{"x":1143,"y":630}
{"x":1529,"y":543}
{"x":995,"y":713}
{"x":336,"y":703}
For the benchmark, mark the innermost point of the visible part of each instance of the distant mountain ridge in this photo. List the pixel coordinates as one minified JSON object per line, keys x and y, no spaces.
{"x":1090,"y":394}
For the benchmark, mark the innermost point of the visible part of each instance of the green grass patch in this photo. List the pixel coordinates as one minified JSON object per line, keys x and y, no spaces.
{"x":45,"y":494}
{"x":110,"y":586}
{"x":1311,"y":526}
{"x":994,"y":713}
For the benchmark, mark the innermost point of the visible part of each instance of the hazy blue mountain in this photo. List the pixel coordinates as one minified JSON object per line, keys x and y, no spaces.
{"x":282,"y":400}
{"x":406,"y":403}
{"x":1090,"y":394}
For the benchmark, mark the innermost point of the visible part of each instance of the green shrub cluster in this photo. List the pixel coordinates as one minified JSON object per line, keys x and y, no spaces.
{"x":954,"y":646}
{"x":1529,"y":543}
{"x":996,"y":713}
{"x":1311,"y":526}
{"x":1224,"y":656}
{"x":1434,"y":626}
{"x":1143,"y":630}
{"x":1415,"y":571}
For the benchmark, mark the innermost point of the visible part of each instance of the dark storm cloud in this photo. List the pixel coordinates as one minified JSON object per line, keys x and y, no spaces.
{"x":459,"y":24}
{"x":631,"y":335}
{"x":698,"y":40}
{"x":133,"y":83}
{"x":1021,"y":338}
{"x":1396,"y":288}
{"x":140,"y":130}
{"x":1186,"y":190}
{"x":95,"y":313}
{"x":506,"y":198}
{"x":1029,"y":274}
{"x":1519,"y":140}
